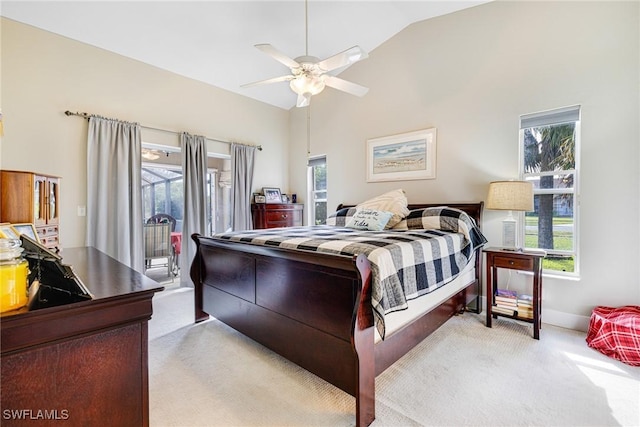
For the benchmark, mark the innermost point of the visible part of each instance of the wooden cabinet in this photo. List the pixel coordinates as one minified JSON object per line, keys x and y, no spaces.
{"x":85,"y":363}
{"x":27,"y":197}
{"x":276,"y":215}
{"x":526,"y":260}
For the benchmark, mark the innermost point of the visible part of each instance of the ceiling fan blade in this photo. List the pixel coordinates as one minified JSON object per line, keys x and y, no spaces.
{"x":267,"y":81}
{"x":277,"y":55}
{"x":304,"y":99}
{"x":345,"y":86}
{"x":342,"y":59}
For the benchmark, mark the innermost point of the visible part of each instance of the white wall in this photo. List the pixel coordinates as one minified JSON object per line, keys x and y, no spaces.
{"x":471,"y":74}
{"x":44,"y":74}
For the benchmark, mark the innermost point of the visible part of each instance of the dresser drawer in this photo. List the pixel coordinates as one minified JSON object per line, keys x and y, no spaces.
{"x":513,"y":263}
{"x":49,"y":242}
{"x":51,"y":230}
{"x":284,"y":216}
{"x":276,"y":215}
{"x":276,"y":224}
{"x":48,"y":236}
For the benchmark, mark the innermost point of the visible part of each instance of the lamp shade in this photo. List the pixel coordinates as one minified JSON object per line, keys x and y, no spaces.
{"x":510,"y":196}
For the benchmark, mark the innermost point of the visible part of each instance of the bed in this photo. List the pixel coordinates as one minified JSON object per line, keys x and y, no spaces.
{"x":316,"y":309}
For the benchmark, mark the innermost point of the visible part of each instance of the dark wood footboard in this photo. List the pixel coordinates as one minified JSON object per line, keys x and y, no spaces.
{"x":313,"y":309}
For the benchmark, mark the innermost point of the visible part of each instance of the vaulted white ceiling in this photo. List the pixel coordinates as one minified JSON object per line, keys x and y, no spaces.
{"x":213,"y":41}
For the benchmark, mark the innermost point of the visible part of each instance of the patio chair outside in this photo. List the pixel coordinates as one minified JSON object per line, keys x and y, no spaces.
{"x":163,"y":218}
{"x":157,"y":244}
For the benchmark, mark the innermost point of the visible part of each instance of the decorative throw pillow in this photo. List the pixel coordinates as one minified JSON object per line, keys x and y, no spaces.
{"x":414,"y":220}
{"x":446,"y":219}
{"x":367,"y":219}
{"x":340,"y":218}
{"x":394,"y":201}
{"x":436,"y":218}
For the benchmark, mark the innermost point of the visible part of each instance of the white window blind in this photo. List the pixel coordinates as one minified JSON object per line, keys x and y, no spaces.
{"x":552,"y":117}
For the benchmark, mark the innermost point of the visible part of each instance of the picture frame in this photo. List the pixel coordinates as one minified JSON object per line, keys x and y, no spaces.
{"x":272,"y":195}
{"x":7,"y":232}
{"x":27,"y":229}
{"x":402,"y":157}
{"x":285,"y":198}
{"x":260,"y":198}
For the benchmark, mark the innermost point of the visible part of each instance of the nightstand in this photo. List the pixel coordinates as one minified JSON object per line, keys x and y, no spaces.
{"x":521,"y":260}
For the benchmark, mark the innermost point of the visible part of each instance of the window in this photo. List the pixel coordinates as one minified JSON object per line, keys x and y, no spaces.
{"x":549,"y":143}
{"x":317,"y":189}
{"x":162,"y":192}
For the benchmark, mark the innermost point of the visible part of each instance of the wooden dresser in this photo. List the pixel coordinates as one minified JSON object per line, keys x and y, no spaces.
{"x":27,"y":197}
{"x":84,"y":363}
{"x":276,"y":215}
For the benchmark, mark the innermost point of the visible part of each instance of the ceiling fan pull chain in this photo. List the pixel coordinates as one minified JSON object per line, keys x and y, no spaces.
{"x":306,"y":28}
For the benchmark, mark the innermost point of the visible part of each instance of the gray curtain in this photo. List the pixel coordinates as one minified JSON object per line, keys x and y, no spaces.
{"x":242,"y":163}
{"x":194,"y":168}
{"x":114,"y":193}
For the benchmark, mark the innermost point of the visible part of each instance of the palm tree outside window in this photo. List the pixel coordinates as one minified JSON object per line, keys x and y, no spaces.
{"x":549,"y":144}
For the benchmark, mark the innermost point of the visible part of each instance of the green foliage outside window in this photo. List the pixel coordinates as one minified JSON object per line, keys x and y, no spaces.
{"x":549,"y":163}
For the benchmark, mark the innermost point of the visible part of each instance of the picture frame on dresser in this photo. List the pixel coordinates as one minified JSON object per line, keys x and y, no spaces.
{"x":260,"y":198}
{"x":7,"y":231}
{"x":27,"y":229}
{"x":272,"y":195}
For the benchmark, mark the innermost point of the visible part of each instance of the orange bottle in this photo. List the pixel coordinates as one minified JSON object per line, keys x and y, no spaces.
{"x":14,"y":271}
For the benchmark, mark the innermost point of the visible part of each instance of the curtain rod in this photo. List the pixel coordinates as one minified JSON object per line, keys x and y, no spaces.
{"x":87,"y":116}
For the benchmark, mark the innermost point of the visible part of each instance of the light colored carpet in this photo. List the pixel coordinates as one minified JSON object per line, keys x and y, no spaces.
{"x":462,"y":375}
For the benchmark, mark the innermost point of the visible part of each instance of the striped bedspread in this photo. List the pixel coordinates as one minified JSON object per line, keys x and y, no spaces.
{"x":404,"y":263}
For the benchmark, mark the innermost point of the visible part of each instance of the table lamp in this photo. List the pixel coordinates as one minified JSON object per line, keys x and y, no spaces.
{"x":510,"y":196}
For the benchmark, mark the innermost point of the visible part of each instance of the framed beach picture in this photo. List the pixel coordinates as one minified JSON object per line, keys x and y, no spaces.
{"x":272,"y":195}
{"x":402,"y":157}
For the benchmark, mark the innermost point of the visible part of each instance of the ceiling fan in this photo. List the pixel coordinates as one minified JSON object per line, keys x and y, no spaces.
{"x":309,"y":75}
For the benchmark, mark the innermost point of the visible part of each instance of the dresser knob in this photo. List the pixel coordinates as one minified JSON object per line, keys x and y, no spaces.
{"x":511,"y":262}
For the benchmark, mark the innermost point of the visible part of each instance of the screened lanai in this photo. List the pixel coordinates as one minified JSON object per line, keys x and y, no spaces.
{"x":162,"y":192}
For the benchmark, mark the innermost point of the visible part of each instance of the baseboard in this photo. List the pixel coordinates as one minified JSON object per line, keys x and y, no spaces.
{"x":560,"y":318}
{"x":565,"y":320}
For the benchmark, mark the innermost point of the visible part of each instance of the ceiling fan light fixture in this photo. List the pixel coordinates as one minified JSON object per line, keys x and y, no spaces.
{"x":150,"y":154}
{"x":304,"y":84}
{"x":308,"y":74}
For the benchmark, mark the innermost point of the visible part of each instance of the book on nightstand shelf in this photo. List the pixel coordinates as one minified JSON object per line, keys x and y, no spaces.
{"x":510,"y":303}
{"x":506,"y":302}
{"x":506,"y":293}
{"x":525,"y":306}
{"x":526,"y":313}
{"x":525,"y":299}
{"x":504,"y":310}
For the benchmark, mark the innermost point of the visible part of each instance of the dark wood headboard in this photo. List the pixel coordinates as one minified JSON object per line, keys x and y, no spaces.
{"x":474,"y":210}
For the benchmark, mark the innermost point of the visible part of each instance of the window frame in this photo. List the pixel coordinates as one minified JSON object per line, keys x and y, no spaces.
{"x":571,"y":114}
{"x":311,"y":191}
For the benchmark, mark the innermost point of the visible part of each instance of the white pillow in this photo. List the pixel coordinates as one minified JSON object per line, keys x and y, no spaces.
{"x":367,"y":219}
{"x":394,"y":201}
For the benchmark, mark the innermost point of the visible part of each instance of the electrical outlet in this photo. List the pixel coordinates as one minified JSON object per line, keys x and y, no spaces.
{"x":82,"y":211}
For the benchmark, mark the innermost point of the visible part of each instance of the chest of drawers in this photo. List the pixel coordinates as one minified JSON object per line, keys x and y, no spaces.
{"x":276,"y":215}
